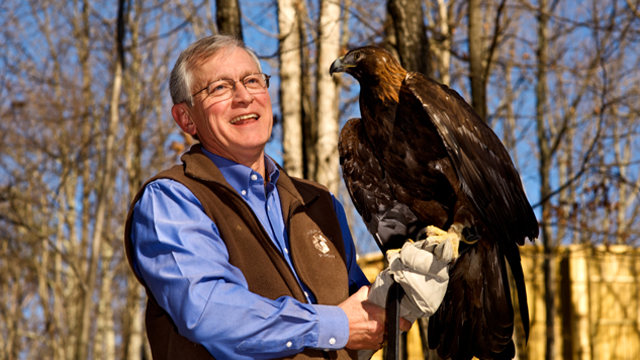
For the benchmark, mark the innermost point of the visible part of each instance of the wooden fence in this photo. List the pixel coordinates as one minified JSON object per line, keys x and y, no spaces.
{"x":598,"y":291}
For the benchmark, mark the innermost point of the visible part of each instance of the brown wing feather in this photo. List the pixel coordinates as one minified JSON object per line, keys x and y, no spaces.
{"x":490,"y":182}
{"x":484,"y":167}
{"x":485,"y":170}
{"x":388,"y":220}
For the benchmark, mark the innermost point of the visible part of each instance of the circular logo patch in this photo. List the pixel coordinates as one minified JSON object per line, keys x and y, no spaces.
{"x":320,"y":242}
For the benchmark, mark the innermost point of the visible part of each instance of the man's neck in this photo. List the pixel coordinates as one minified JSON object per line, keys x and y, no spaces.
{"x":253,"y":160}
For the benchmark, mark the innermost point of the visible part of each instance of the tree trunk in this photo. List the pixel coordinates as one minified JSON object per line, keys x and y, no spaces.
{"x":104,"y":192}
{"x":442,"y":50}
{"x":105,"y":342}
{"x":545,"y":185}
{"x":327,"y":95}
{"x":390,"y":42}
{"x":132,"y":332}
{"x":476,"y":68}
{"x":309,"y":120}
{"x":290,"y":86}
{"x":412,"y":43}
{"x":627,"y":193}
{"x":228,"y":17}
{"x":88,"y":185}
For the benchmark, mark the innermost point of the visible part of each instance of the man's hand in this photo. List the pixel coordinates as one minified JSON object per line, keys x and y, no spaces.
{"x":366,"y":321}
{"x":367,"y":328}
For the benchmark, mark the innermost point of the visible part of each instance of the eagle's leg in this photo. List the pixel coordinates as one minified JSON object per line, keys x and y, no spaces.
{"x":454,"y":234}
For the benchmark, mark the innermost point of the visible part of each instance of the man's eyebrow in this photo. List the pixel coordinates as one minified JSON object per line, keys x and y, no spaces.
{"x":228,"y":77}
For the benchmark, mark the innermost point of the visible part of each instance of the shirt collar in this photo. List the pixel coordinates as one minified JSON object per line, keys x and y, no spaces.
{"x":271,"y":169}
{"x":238,"y":175}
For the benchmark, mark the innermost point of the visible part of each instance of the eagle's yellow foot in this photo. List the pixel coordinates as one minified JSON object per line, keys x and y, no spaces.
{"x":437,"y":235}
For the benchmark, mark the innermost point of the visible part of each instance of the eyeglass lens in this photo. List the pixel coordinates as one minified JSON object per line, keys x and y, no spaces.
{"x":224,"y":89}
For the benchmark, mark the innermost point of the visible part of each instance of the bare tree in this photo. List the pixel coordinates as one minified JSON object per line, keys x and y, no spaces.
{"x":132,"y":319}
{"x":327,"y":95}
{"x":228,"y":17}
{"x":291,"y":86}
{"x":412,"y":43}
{"x":482,"y":51}
{"x":545,"y":183}
{"x":60,"y":137}
{"x":440,"y":43}
{"x":309,"y":114}
{"x":104,"y":190}
{"x":476,"y":46}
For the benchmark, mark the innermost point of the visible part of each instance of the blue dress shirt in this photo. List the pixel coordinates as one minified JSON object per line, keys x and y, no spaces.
{"x":184,"y":262}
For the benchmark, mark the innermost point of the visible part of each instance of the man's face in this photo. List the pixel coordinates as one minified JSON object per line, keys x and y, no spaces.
{"x":238,"y":127}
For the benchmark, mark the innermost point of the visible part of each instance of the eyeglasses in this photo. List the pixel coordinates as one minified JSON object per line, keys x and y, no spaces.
{"x":224,"y":89}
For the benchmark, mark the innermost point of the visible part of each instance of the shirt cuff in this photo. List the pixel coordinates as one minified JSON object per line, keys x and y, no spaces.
{"x":333,"y":329}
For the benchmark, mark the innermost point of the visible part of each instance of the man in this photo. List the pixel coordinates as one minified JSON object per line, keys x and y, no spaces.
{"x":239,"y":260}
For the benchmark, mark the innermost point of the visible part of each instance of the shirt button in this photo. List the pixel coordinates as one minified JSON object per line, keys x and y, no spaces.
{"x":289,"y":344}
{"x":244,"y":192}
{"x":332,"y":341}
{"x":286,"y":250}
{"x":306,"y":294}
{"x":254,"y":177}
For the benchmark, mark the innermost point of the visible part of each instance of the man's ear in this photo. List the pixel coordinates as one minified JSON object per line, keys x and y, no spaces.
{"x":182,"y":117}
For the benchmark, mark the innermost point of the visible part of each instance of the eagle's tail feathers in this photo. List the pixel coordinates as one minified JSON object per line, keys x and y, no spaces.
{"x":476,"y":316}
{"x":515,"y":264}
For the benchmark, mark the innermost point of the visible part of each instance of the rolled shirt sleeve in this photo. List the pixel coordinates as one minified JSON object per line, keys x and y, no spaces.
{"x":208,"y":298}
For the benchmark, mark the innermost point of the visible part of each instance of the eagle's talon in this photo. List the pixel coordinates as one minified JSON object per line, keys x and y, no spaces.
{"x":436,"y":235}
{"x":435,"y":231}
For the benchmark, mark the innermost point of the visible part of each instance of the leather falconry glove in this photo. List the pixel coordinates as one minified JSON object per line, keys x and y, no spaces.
{"x":423,"y":274}
{"x":422,"y":269}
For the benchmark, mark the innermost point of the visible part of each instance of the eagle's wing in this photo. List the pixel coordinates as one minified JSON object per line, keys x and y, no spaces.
{"x":483,"y":165}
{"x":390,"y":222}
{"x":485,"y":171}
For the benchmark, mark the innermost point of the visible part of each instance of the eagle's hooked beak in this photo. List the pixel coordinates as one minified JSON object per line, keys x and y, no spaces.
{"x":337,"y":66}
{"x":340,"y":65}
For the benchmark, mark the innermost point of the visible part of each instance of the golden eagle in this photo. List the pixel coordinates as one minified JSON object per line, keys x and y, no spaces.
{"x":421,"y":156}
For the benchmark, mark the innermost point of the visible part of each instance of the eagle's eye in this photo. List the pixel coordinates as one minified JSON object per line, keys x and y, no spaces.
{"x":357,"y":56}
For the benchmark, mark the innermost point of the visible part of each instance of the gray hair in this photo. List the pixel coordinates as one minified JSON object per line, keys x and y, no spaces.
{"x":198,"y":52}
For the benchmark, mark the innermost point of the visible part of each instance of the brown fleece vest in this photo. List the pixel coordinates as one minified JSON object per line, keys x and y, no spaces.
{"x":316,"y":247}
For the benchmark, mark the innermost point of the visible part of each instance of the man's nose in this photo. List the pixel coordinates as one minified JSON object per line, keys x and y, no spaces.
{"x":242,"y":94}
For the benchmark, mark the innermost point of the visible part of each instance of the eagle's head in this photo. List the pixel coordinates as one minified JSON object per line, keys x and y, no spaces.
{"x":370,"y":64}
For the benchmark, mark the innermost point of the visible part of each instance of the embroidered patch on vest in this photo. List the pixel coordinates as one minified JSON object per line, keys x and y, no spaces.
{"x":321,"y":243}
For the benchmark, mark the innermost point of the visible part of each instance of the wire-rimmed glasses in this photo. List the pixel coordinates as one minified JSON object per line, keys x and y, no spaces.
{"x":224,"y":89}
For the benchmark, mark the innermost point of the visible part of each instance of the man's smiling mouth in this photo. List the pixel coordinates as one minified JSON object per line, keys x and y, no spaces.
{"x":241,"y":119}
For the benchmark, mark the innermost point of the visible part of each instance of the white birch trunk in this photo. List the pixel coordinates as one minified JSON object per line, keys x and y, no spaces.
{"x":290,"y":86}
{"x":327,"y":108}
{"x":443,"y":49}
{"x":136,"y":328}
{"x":104,"y":192}
{"x":105,"y":342}
{"x":133,"y":319}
